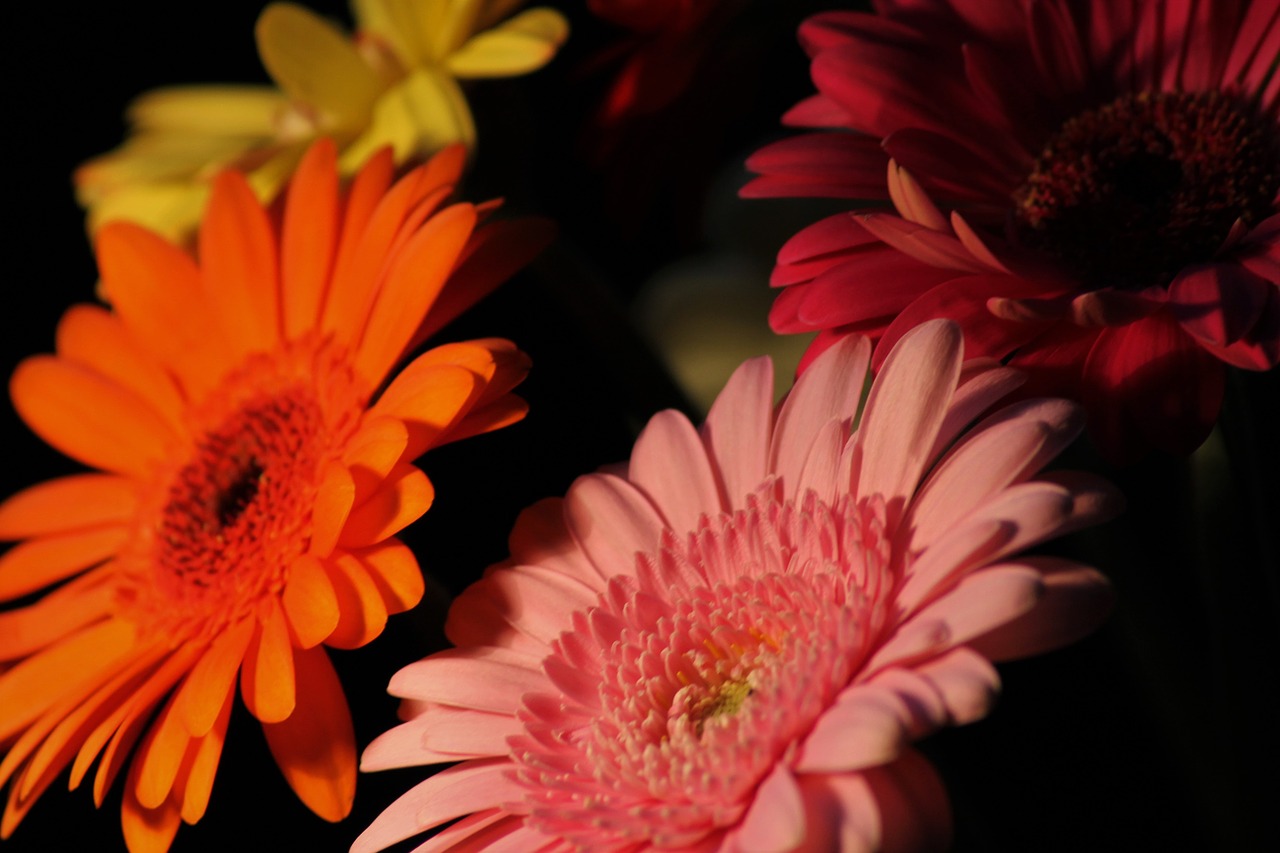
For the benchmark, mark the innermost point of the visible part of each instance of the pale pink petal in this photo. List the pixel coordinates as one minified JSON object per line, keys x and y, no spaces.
{"x":532,"y":599}
{"x":982,"y":383}
{"x":967,"y":683}
{"x":491,"y":681}
{"x":865,"y":728}
{"x":982,"y":601}
{"x":1074,"y":602}
{"x":905,"y":410}
{"x":774,"y":823}
{"x":995,"y":455}
{"x":405,"y":746}
{"x":541,"y":538}
{"x":611,"y":522}
{"x":669,"y":464}
{"x":831,"y":388}
{"x":739,"y":427}
{"x":470,"y":787}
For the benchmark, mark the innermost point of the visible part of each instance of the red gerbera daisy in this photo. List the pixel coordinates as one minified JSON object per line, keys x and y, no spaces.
{"x":1089,"y":187}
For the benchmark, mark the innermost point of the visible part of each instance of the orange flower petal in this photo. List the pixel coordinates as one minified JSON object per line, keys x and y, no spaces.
{"x":36,"y":563}
{"x":204,"y":766}
{"x":363,"y":612}
{"x":412,"y":284}
{"x":310,"y":603}
{"x":68,"y":503}
{"x":266,"y":680}
{"x":128,"y":723}
{"x":213,"y":678}
{"x":238,"y":265}
{"x":308,"y":238}
{"x":495,"y":252}
{"x":64,"y":611}
{"x":148,"y":830}
{"x":356,"y":273}
{"x":372,"y":453}
{"x":498,"y":414}
{"x":428,"y":398}
{"x":332,"y":507}
{"x":155,"y":289}
{"x":30,"y":686}
{"x":90,"y":417}
{"x":96,"y":338}
{"x":51,"y":740}
{"x":315,"y":747}
{"x":395,"y":571}
{"x":404,"y":497}
{"x":366,"y":193}
{"x":157,"y":762}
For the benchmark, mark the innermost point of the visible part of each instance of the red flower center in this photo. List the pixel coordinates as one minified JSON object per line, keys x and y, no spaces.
{"x":1130,"y":193}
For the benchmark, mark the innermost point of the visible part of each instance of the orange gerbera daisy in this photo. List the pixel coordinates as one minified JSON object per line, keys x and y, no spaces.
{"x":251,"y":482}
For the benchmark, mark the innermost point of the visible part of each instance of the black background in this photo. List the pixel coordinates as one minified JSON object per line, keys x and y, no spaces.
{"x":1154,"y":734}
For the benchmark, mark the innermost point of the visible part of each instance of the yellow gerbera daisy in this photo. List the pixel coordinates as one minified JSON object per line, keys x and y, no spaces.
{"x":250,"y":483}
{"x":395,"y":83}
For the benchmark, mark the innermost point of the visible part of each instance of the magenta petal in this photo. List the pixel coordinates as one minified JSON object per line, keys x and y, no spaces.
{"x":1218,"y":303}
{"x":1150,"y":380}
{"x":832,"y":165}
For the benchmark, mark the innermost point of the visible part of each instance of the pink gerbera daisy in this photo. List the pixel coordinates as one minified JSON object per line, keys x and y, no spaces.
{"x":1090,"y":187}
{"x":730,"y":643}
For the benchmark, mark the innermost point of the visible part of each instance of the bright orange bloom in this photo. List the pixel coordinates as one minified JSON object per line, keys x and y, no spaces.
{"x":250,"y":482}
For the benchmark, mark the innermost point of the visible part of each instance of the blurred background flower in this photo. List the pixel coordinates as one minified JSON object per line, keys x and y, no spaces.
{"x":395,"y":83}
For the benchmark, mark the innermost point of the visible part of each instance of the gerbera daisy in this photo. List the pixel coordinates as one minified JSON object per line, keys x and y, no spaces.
{"x":395,"y":83}
{"x":251,"y":480}
{"x":729,"y":643}
{"x":1091,"y":188}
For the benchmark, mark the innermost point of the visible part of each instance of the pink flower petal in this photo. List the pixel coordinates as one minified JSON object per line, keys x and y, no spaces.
{"x":775,"y":821}
{"x":470,"y":787}
{"x":1075,"y":601}
{"x":486,"y":680}
{"x":669,"y":464}
{"x":830,"y":389}
{"x":905,"y":409}
{"x":739,"y":428}
{"x":611,"y":521}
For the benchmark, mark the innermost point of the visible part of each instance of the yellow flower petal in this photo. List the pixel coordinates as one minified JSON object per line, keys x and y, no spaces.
{"x":523,"y":44}
{"x":422,"y":114}
{"x":215,"y":110}
{"x":315,"y":64}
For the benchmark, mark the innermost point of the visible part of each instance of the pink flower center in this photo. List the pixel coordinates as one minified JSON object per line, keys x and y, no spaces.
{"x":693,"y":678}
{"x":1128,"y":194}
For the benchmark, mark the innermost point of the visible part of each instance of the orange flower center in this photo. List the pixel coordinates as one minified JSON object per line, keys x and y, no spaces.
{"x":1128,"y":194}
{"x":243,"y":500}
{"x":229,"y":520}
